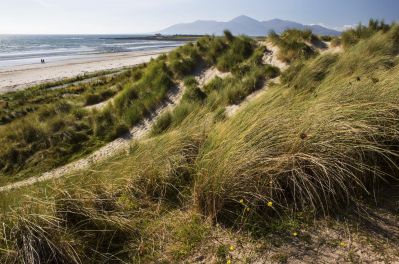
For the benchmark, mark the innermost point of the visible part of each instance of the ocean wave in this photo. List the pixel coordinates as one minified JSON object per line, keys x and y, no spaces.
{"x":139,"y":43}
{"x":75,"y":38}
{"x":154,"y":47}
{"x":44,"y":52}
{"x":29,"y":48}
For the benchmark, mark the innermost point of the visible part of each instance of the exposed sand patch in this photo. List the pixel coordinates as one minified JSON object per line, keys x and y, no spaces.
{"x":101,"y":105}
{"x":209,"y":74}
{"x":271,"y":57}
{"x":331,"y":49}
{"x":327,"y":241}
{"x":21,"y":77}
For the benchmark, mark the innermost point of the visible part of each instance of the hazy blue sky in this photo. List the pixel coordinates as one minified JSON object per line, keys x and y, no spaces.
{"x":137,"y":16}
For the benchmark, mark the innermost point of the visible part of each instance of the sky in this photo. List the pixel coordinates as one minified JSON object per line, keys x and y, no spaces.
{"x":144,"y":16}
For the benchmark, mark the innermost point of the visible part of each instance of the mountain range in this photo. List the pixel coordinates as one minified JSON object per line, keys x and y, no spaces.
{"x":242,"y":25}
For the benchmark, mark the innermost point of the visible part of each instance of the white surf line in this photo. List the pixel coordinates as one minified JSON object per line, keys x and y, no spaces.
{"x":23,"y":77}
{"x":117,"y":146}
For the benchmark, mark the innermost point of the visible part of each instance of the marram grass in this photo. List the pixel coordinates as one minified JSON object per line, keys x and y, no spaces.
{"x":318,"y":143}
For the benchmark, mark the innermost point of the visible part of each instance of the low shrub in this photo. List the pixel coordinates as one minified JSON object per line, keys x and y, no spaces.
{"x":162,"y":123}
{"x":294,"y":44}
{"x":211,"y":48}
{"x":240,"y":49}
{"x":184,"y":60}
{"x":193,"y":93}
{"x":215,"y":84}
{"x":352,"y":36}
{"x":92,"y":99}
{"x":104,"y":123}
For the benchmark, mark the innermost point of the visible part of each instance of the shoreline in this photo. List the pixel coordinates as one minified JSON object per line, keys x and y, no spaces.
{"x":16,"y":78}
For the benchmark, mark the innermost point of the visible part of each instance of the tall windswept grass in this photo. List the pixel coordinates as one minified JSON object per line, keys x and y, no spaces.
{"x":323,"y":140}
{"x":26,"y":141}
{"x":318,"y":143}
{"x":138,"y":100}
{"x":309,"y":75}
{"x":73,"y":132}
{"x":184,"y":60}
{"x":51,"y":127}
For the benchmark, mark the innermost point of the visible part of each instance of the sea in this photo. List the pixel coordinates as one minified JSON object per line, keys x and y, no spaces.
{"x":30,"y":49}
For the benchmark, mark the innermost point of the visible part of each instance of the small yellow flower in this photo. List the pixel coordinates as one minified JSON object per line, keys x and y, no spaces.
{"x":232,"y":248}
{"x":228,"y":261}
{"x":270,"y":204}
{"x":295,"y":234}
{"x":247,"y":209}
{"x":343,"y":244}
{"x":241,"y":201}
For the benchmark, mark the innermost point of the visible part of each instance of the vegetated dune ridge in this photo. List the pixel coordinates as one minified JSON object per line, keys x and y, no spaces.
{"x":117,"y":146}
{"x":123,"y":143}
{"x":304,"y":173}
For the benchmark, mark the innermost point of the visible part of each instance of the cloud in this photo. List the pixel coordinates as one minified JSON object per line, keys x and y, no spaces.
{"x":42,"y":3}
{"x":345,"y":27}
{"x":322,"y":24}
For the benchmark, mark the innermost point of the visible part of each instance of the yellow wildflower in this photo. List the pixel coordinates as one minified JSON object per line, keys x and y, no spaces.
{"x":232,"y":248}
{"x":270,"y":204}
{"x":342,"y":244}
{"x":241,"y":201}
{"x":247,"y":209}
{"x":228,"y":261}
{"x":295,"y":234}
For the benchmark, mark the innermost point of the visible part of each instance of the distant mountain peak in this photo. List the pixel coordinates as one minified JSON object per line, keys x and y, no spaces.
{"x":242,"y":25}
{"x":244,"y":19}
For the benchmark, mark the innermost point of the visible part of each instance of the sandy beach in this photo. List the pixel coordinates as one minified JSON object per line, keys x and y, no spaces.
{"x":21,"y":77}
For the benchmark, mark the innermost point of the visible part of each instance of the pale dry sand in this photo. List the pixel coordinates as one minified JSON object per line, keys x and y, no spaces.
{"x":270,"y":57}
{"x":24,"y":76}
{"x":331,"y":49}
{"x":208,"y":75}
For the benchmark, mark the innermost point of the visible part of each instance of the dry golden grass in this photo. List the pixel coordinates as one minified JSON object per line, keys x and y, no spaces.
{"x":324,"y":140}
